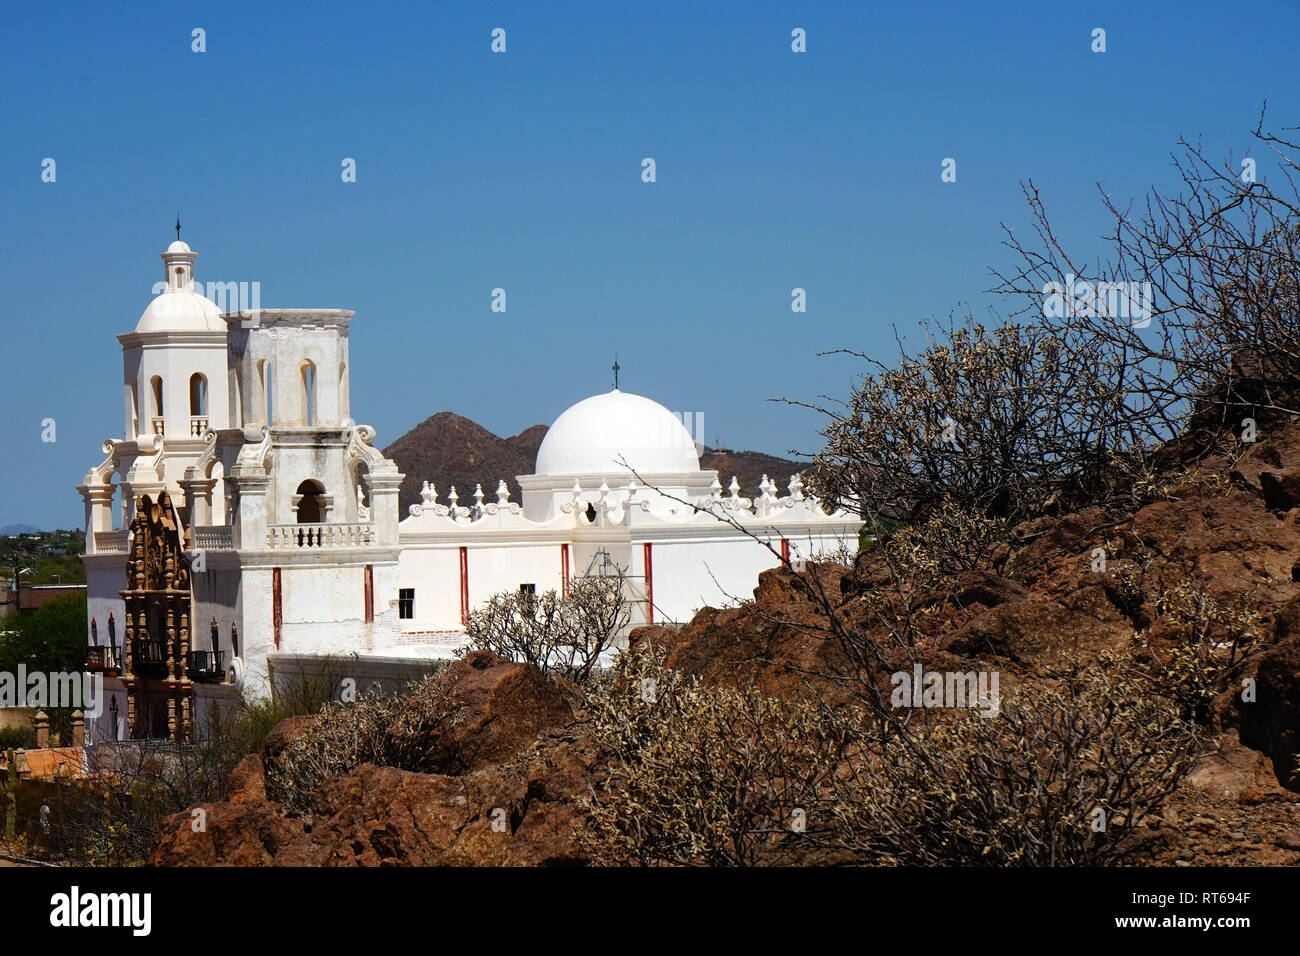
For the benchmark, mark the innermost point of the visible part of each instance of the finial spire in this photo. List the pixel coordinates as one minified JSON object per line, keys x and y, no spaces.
{"x":178,"y":227}
{"x":616,"y":368}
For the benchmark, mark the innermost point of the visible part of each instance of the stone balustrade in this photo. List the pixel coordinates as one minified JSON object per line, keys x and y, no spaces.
{"x":213,"y":537}
{"x":112,"y":542}
{"x":319,"y":535}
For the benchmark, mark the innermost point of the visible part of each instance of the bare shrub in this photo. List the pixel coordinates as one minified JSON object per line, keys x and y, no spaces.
{"x":707,"y":777}
{"x":402,"y":730}
{"x":1063,"y":776}
{"x":1205,"y":642}
{"x":1221,"y":340}
{"x":558,"y":636}
{"x":999,"y":422}
{"x":947,"y":541}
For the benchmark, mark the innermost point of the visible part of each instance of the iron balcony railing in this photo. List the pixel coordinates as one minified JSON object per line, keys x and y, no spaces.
{"x":148,"y":656}
{"x":205,"y":666}
{"x":103,"y":660}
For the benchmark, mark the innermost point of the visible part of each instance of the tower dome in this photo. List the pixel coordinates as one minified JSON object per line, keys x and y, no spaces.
{"x":593,"y":436}
{"x":180,"y":307}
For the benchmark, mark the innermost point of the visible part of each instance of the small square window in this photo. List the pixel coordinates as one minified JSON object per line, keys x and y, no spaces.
{"x":406,"y":603}
{"x":528,"y":589}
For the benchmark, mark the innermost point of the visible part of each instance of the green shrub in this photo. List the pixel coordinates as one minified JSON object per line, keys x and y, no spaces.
{"x":17,"y":738}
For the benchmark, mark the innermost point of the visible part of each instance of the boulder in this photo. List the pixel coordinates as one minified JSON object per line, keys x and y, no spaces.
{"x":502,"y":707}
{"x":1271,"y":723}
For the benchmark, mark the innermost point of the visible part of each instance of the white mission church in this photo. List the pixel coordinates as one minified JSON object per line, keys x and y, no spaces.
{"x":256,"y":526}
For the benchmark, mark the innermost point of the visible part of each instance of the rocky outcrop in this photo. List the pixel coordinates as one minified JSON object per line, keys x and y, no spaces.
{"x":511,"y":794}
{"x":525,"y":813}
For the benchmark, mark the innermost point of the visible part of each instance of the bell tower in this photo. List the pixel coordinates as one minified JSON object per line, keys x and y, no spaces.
{"x":306,"y":558}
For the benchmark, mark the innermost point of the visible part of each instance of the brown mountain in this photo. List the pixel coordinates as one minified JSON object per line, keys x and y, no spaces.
{"x":448,"y":449}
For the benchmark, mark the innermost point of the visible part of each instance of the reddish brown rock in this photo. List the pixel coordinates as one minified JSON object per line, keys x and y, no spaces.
{"x":502,"y":707}
{"x":1271,"y":723}
{"x":527,"y":813}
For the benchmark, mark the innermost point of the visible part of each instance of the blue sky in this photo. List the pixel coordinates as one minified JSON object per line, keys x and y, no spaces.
{"x":522,"y":170}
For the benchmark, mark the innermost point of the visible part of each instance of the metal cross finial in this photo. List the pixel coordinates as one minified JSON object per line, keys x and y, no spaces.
{"x":178,"y":227}
{"x":616,"y":368}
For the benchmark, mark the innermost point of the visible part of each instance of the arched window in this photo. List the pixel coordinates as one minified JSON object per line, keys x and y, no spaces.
{"x":308,"y":393}
{"x":156,"y":388}
{"x":265,"y":375}
{"x":235,"y":387}
{"x":219,"y":513}
{"x":198,"y":394}
{"x":133,"y":396}
{"x":310,"y":510}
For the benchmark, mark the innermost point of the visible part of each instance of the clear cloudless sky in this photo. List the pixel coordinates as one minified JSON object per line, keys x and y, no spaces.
{"x":522,"y":170}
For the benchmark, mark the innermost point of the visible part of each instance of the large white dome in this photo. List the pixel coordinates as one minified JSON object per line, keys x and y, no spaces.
{"x":592,"y":436}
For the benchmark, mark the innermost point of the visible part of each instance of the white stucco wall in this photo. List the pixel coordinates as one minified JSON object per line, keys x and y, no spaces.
{"x":434,"y":573}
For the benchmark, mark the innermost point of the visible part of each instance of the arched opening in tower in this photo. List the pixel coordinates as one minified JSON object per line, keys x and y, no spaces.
{"x":309,"y":505}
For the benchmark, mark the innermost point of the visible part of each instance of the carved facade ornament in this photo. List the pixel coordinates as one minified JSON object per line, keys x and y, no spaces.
{"x":157,"y":638}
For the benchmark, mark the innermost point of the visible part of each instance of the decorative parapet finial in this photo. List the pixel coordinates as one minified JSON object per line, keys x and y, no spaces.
{"x":574,"y":505}
{"x":454,"y":511}
{"x":503,"y":492}
{"x":604,"y":507}
{"x":428,"y":495}
{"x":478,"y":497}
{"x":735,"y":502}
{"x":796,"y":486}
